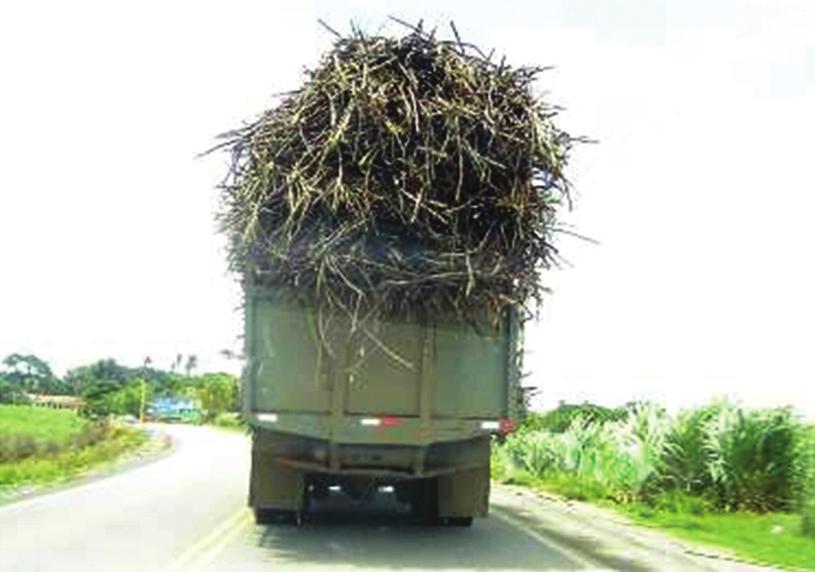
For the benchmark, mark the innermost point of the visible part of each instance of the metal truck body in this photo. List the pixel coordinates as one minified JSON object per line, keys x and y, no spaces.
{"x":414,"y":407}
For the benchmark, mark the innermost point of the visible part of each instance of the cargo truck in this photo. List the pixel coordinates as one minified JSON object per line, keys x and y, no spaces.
{"x":414,"y":407}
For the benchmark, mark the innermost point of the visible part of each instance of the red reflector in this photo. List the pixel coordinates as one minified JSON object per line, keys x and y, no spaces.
{"x":506,"y":426}
{"x":390,"y":421}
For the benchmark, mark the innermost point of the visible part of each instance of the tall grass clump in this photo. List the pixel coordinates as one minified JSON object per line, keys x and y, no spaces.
{"x":620,"y":457}
{"x":727,"y":457}
{"x":560,"y":418}
{"x":751,"y":458}
{"x":806,"y":481}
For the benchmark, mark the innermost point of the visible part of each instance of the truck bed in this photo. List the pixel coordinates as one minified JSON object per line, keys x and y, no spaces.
{"x":408,"y":384}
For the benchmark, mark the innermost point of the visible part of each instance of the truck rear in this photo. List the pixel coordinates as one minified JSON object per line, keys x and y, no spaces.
{"x":413,"y":407}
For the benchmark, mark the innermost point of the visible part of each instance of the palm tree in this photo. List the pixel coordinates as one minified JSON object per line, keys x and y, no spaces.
{"x":176,"y":362}
{"x":192,"y":363}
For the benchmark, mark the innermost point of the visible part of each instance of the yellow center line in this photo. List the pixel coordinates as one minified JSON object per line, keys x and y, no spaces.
{"x":234,"y":522}
{"x":211,"y":553}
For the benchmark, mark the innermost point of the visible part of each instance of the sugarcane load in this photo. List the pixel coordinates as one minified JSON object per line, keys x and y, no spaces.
{"x":408,"y":177}
{"x":390,"y":219}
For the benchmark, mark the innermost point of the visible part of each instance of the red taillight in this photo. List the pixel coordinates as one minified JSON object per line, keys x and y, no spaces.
{"x":506,"y":426}
{"x":390,"y":421}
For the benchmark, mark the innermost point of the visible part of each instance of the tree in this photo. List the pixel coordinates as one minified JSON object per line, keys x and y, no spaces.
{"x":28,"y":372}
{"x":10,"y":392}
{"x":98,"y":397}
{"x":192,"y":363}
{"x":176,"y":362}
{"x":127,"y":400}
{"x":217,"y":393}
{"x":102,"y":370}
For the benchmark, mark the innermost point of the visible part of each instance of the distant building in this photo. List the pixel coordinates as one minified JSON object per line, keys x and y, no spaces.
{"x":174,"y":409}
{"x":55,"y":401}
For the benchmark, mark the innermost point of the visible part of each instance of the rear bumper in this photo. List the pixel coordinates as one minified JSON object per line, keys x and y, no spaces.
{"x":373,"y":459}
{"x":383,"y":430}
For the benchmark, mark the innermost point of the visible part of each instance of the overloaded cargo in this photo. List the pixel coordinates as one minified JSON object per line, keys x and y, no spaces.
{"x":406,"y":194}
{"x":406,"y":177}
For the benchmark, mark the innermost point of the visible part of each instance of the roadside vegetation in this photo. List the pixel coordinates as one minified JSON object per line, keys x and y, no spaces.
{"x":230,"y":420}
{"x":721,"y":474}
{"x":38,"y":425}
{"x":106,"y":388}
{"x":42,"y":445}
{"x":39,"y":445}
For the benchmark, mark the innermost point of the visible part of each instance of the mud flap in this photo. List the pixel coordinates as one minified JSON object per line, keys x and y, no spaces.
{"x":273,"y":485}
{"x":465,"y":493}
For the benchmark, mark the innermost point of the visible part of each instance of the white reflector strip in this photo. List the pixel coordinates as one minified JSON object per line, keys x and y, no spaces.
{"x":266,"y":417}
{"x":491,"y":425}
{"x":370,"y":421}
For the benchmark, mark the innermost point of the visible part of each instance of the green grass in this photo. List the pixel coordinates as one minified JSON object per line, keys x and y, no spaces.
{"x":41,"y":446}
{"x":772,"y":538}
{"x":229,"y":420}
{"x":71,"y":462}
{"x":51,"y":425}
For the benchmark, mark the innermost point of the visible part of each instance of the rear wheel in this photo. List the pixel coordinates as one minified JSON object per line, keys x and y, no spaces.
{"x":424,"y":499}
{"x":274,"y":516}
{"x":461,"y":521}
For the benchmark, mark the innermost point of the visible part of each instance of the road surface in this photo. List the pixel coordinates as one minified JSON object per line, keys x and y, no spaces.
{"x":186,"y":512}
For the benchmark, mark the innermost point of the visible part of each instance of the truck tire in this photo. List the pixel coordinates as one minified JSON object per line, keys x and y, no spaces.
{"x":424,"y":500}
{"x":458,"y":521}
{"x":274,"y":516}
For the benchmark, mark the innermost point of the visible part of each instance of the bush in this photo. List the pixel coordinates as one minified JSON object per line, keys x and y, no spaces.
{"x":558,"y":420}
{"x":716,"y":457}
{"x":11,"y":392}
{"x":15,"y":447}
{"x":90,"y":435}
{"x":229,"y":420}
{"x":684,"y":461}
{"x":681,"y":502}
{"x":806,"y":481}
{"x":751,"y":458}
{"x":218,"y":394}
{"x":620,"y":456}
{"x":103,"y":443}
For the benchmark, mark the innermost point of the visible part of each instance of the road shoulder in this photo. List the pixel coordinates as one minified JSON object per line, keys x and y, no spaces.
{"x":606,"y":537}
{"x":159,"y":445}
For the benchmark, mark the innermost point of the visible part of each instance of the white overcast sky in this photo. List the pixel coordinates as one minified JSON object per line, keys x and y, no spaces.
{"x":700,"y":191}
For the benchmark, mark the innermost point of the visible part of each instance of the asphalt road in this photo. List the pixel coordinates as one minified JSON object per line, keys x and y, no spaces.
{"x":187,"y":512}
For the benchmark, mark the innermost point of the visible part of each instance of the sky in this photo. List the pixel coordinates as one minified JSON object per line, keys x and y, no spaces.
{"x":698,"y":192}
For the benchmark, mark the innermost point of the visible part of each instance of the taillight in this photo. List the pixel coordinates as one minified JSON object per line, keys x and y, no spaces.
{"x":506,"y":426}
{"x":388,"y":421}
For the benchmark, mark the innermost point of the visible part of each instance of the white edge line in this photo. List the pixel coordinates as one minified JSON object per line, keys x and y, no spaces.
{"x":66,"y":488}
{"x":570,"y":553}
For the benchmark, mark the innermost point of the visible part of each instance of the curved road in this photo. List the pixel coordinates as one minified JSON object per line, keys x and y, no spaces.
{"x":187,"y":512}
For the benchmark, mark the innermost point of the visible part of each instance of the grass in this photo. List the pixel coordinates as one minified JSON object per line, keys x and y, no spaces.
{"x":229,"y":420}
{"x":51,"y":425}
{"x":771,"y":538}
{"x":71,"y":462}
{"x":42,"y":446}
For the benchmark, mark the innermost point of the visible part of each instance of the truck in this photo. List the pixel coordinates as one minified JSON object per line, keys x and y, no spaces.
{"x":414,"y":408}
